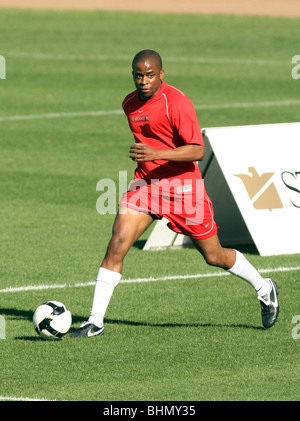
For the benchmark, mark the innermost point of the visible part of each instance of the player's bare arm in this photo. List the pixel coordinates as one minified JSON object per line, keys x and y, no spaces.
{"x":140,"y":152}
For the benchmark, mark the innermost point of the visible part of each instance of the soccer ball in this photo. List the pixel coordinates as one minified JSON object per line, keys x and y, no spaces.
{"x":52,"y":320}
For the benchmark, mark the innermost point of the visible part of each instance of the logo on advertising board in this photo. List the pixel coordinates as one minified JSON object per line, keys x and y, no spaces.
{"x":252,"y":175}
{"x":263,"y":192}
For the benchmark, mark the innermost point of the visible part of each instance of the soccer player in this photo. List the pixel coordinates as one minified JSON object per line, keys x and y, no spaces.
{"x":167,"y":183}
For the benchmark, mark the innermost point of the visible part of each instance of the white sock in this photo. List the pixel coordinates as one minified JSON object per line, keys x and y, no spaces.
{"x":243,"y":269}
{"x":106,"y":282}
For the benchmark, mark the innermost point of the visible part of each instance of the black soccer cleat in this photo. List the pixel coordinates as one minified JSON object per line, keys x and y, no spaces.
{"x":87,"y":329}
{"x":269,"y":305}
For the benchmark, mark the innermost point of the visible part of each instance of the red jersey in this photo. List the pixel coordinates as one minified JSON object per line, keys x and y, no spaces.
{"x":166,"y":121}
{"x":170,"y":189}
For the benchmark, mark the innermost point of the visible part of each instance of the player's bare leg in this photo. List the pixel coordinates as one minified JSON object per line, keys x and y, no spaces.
{"x":129,"y":225}
{"x":236,"y":263}
{"x":214,"y":254}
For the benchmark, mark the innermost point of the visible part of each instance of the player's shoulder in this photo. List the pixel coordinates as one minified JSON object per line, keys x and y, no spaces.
{"x":174,"y":94}
{"x":176,"y":99}
{"x":129,"y":99}
{"x":172,"y":90}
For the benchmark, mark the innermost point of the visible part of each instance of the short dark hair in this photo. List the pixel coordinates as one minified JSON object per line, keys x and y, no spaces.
{"x":148,"y":54}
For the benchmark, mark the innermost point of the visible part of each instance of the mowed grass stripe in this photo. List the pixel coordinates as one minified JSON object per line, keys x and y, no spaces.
{"x":202,"y":60}
{"x":99,"y":113}
{"x":162,"y":342}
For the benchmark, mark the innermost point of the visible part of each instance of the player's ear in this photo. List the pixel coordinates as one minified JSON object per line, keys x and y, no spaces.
{"x":161,"y":75}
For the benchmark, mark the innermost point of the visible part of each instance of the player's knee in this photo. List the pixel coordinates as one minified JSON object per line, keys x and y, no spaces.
{"x":221,"y":258}
{"x":117,"y":246}
{"x":212,"y":259}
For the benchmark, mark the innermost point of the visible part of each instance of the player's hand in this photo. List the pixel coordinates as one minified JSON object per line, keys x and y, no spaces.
{"x":141,"y":153}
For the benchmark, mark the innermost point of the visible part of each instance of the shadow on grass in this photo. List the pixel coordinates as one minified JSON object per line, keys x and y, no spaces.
{"x":15,"y":314}
{"x":243,"y":248}
{"x":168,"y":325}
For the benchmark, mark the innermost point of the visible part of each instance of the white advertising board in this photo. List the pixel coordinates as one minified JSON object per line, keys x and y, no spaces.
{"x":252,"y":174}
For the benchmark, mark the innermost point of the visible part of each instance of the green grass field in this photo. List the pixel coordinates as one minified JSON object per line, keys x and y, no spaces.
{"x":198,"y":339}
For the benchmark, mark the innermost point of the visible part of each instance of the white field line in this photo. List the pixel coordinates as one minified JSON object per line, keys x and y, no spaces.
{"x":60,"y":115}
{"x":189,"y":60}
{"x":282,"y":103}
{"x":19,"y":398}
{"x":140,"y":280}
{"x":100,"y":113}
{"x":150,"y":279}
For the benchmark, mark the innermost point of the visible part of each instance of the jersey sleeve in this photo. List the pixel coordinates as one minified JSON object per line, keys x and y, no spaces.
{"x":184,"y":120}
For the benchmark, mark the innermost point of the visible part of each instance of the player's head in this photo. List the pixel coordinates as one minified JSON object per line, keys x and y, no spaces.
{"x":147,"y":73}
{"x":146,"y":55}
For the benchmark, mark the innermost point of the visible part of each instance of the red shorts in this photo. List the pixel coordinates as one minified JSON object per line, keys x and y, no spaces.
{"x":184,"y":203}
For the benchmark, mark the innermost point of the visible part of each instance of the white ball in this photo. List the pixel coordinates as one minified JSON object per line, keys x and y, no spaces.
{"x":52,"y":320}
